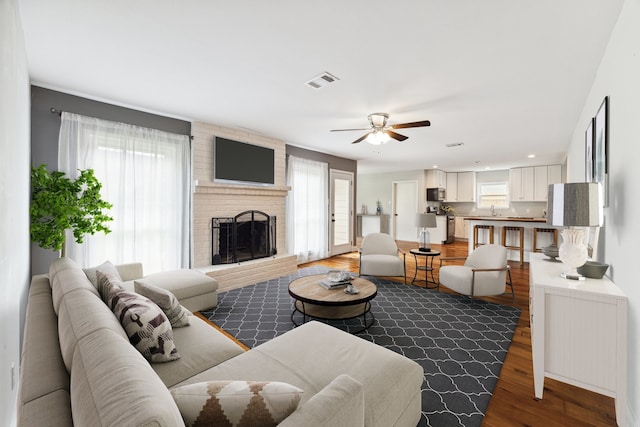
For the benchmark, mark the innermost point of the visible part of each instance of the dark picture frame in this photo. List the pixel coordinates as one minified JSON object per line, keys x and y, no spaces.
{"x":601,"y":149}
{"x":588,"y":151}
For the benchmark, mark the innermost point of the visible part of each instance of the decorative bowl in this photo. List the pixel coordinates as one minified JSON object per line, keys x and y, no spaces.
{"x":551,"y":251}
{"x":593,"y":270}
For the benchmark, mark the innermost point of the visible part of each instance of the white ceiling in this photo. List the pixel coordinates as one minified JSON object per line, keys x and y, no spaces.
{"x":507,"y":78}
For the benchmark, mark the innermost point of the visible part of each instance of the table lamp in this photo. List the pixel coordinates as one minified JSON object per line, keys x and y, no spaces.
{"x":425,"y":221}
{"x":576,"y":204}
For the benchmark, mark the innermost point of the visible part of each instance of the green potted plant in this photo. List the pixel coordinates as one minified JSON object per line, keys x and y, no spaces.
{"x":59,"y":204}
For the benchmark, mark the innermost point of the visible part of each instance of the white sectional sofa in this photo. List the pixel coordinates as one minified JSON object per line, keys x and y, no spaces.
{"x":79,"y":368}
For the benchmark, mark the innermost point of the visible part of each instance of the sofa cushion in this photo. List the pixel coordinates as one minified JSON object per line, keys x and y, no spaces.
{"x":144,"y":322}
{"x":201,"y":347}
{"x":178,"y":315}
{"x":285,"y":358}
{"x":105,"y":267}
{"x":42,"y":371}
{"x":195,"y":290}
{"x":66,"y":276}
{"x":113,"y":385}
{"x":236,"y":403}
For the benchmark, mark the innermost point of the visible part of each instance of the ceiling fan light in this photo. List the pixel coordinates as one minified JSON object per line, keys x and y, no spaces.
{"x":377,"y":137}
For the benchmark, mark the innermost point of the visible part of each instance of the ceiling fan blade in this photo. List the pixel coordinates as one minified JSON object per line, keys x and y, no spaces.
{"x":362,"y":138}
{"x":342,"y":130}
{"x":411,"y":125}
{"x":395,"y":135}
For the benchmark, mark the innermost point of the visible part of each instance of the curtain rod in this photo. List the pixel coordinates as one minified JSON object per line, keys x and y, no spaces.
{"x":53,"y":110}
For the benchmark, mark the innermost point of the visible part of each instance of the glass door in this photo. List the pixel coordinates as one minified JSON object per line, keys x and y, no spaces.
{"x":340,"y":212}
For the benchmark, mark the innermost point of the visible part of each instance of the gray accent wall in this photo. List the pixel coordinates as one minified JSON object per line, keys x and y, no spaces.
{"x":45,"y":128}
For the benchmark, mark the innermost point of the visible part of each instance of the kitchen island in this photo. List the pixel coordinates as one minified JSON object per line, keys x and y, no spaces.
{"x":528,"y":223}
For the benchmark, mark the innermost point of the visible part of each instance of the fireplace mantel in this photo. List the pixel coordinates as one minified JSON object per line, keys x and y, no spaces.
{"x":208,"y":187}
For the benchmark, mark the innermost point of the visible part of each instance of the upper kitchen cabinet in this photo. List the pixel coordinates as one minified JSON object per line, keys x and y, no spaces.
{"x":452,"y":187}
{"x":435,"y":178}
{"x":530,"y":184}
{"x":466,"y":187}
{"x":545,"y":176}
{"x":461,"y":186}
{"x":521,"y":184}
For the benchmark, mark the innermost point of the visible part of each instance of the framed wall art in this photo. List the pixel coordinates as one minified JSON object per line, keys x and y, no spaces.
{"x":601,"y":148}
{"x":588,"y":151}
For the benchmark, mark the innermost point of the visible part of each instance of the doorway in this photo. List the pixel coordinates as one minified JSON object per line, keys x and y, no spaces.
{"x":340,"y":212}
{"x":405,"y":207}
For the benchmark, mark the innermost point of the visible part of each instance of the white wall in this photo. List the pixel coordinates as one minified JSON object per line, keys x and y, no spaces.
{"x":374,"y":187}
{"x":14,"y":200}
{"x":619,"y":78}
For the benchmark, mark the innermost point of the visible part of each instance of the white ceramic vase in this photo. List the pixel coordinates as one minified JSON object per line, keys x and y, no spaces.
{"x":573,"y":250}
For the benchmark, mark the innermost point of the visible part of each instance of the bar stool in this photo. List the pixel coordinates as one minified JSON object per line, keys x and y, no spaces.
{"x":477,"y":243}
{"x":537,"y":230}
{"x":520,"y":245}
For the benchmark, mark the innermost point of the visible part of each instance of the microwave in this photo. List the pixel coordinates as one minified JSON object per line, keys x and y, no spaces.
{"x":435,"y":194}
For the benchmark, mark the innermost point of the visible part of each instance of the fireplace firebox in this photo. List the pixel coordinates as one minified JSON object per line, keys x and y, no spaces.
{"x":246,"y":236}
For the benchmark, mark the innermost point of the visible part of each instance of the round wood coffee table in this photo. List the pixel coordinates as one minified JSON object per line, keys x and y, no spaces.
{"x":314,"y":301}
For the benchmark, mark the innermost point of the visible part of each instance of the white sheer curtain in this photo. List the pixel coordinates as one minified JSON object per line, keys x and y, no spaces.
{"x":145,"y":175}
{"x":307,"y":209}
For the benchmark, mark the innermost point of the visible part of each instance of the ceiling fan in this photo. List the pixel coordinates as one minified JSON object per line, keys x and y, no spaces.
{"x":380,"y":132}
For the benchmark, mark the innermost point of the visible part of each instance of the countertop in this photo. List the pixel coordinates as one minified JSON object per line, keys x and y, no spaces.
{"x":506,"y":218}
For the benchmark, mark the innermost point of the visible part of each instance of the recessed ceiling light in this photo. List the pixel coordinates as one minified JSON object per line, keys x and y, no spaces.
{"x":487,"y":168}
{"x":435,"y":166}
{"x":531,"y":156}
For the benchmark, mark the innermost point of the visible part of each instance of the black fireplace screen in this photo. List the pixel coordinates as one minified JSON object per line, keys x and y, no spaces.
{"x":248,"y":235}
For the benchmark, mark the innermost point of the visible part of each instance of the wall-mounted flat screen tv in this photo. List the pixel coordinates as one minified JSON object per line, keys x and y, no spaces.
{"x":239,"y":162}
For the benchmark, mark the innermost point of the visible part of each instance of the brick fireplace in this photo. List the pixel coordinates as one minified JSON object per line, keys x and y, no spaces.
{"x":216,"y":200}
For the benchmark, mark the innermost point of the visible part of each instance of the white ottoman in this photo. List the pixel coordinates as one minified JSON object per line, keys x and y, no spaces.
{"x":195,"y":290}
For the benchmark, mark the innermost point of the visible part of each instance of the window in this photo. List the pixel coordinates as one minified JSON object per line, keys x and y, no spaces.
{"x":494,"y":194}
{"x":145,"y":175}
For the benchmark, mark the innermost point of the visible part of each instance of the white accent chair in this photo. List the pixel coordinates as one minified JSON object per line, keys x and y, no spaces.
{"x":484,"y":273}
{"x":380,"y":256}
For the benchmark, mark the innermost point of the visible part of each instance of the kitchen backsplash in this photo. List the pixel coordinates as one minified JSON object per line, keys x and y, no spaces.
{"x":534,"y":209}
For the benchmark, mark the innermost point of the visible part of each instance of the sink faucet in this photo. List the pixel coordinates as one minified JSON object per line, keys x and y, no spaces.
{"x":493,"y":211}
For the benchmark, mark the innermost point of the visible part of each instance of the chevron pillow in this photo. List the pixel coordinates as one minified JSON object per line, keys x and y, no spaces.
{"x":146,"y":325}
{"x":236,"y":403}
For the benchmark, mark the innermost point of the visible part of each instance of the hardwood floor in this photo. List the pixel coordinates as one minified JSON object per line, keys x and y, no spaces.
{"x":513,"y":402}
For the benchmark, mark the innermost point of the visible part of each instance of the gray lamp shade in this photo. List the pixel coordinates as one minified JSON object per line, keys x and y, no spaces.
{"x":575,"y":204}
{"x":426,"y":220}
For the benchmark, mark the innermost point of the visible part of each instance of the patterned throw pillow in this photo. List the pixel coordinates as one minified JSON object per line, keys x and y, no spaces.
{"x":177,"y":314}
{"x":236,"y":403}
{"x":105,"y":267}
{"x":144,"y":322}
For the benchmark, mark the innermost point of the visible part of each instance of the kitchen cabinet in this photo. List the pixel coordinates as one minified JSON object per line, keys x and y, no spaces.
{"x":452,"y":187}
{"x":466,"y":191}
{"x":543,"y":177}
{"x":440,"y":234}
{"x":578,"y":332}
{"x":462,"y":230}
{"x":521,"y":184}
{"x":531,"y":184}
{"x":435,"y":178}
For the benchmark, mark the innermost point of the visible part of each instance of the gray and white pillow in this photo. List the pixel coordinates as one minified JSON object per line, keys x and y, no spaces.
{"x":236,"y":403}
{"x":144,"y":322}
{"x":177,"y":314}
{"x":105,"y":267}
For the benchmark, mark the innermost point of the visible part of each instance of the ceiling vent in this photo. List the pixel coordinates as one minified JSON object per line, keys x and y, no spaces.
{"x":322,"y":80}
{"x":455,"y":144}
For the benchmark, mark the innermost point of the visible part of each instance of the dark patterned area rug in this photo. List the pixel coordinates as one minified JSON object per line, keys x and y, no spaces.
{"x":460,"y":344}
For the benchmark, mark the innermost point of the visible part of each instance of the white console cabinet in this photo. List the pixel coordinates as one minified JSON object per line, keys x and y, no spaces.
{"x":578,"y":332}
